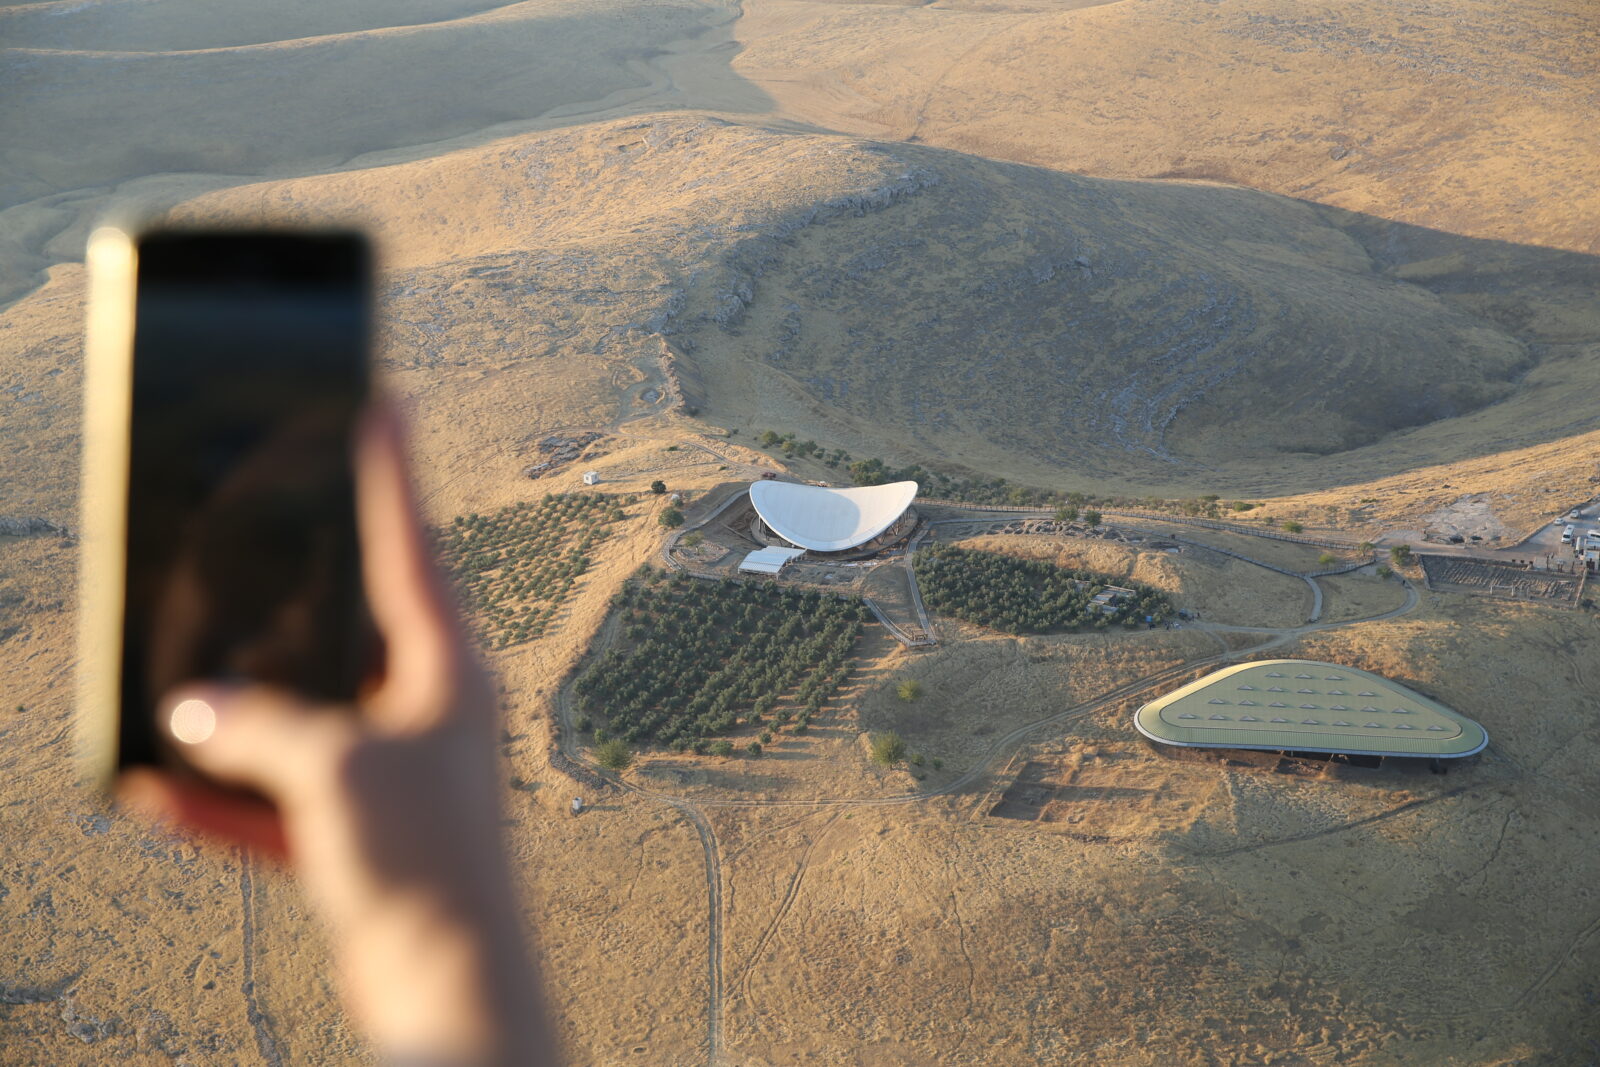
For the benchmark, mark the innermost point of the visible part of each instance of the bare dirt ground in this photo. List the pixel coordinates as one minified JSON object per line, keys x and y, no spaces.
{"x":979,"y":685}
{"x":1302,"y":559}
{"x":1358,"y":596}
{"x":1297,"y":889}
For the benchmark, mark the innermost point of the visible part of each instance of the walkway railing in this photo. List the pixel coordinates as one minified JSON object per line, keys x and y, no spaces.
{"x":900,"y":634}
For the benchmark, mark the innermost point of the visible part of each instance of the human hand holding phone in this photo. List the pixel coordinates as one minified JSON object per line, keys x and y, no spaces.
{"x":388,"y":810}
{"x":267,"y":653}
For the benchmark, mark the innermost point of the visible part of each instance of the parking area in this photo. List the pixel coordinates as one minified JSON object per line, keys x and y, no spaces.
{"x":1546,"y":546}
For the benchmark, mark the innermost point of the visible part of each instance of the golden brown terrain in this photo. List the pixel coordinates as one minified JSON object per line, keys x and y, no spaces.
{"x":1338,"y":260}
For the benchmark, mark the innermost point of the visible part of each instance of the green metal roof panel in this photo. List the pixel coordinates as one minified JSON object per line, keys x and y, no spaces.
{"x":1306,"y":706}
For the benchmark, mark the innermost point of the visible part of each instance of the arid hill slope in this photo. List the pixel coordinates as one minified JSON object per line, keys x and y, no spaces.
{"x":146,"y":104}
{"x":1474,"y":116}
{"x":921,"y":304}
{"x":926,"y":304}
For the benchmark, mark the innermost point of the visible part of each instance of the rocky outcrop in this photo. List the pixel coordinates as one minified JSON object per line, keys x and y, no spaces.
{"x":30,"y":526}
{"x":559,"y":452}
{"x":751,"y":257}
{"x":684,"y":390}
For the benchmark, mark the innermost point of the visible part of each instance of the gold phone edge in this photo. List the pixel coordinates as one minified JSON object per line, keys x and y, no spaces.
{"x":103,"y":500}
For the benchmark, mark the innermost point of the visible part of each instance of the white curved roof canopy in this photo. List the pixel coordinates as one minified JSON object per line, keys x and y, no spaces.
{"x":830,"y":520}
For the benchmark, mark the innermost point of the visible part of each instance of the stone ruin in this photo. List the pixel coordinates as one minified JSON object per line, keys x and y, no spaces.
{"x":560,"y":451}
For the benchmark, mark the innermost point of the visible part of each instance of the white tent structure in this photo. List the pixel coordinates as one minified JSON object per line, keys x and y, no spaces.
{"x":769,"y":560}
{"x":830,"y":520}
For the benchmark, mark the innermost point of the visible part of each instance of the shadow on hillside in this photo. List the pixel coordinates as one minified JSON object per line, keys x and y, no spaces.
{"x":1164,"y":337}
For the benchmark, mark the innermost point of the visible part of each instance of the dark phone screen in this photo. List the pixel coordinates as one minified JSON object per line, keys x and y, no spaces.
{"x":249,"y":369}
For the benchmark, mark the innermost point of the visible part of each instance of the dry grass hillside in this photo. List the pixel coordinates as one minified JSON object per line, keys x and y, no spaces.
{"x":1471,"y":117}
{"x":1095,"y":901}
{"x":1053,"y":327}
{"x":921,"y":304}
{"x":210,"y":95}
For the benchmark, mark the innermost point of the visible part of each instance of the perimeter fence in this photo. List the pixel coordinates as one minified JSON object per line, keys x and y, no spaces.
{"x":1160,"y":516}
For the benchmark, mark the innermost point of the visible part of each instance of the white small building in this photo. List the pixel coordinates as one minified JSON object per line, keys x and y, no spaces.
{"x":591,"y":477}
{"x":769,"y":560}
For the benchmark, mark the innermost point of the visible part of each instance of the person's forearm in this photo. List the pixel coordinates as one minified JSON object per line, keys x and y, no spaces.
{"x":437,"y":988}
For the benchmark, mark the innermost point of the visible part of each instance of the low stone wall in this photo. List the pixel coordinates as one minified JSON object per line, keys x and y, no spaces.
{"x":1488,"y":578}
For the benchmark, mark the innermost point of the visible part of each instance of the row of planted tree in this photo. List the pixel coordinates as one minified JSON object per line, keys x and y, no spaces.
{"x":696,"y":658}
{"x":693,"y":659}
{"x":514,"y":567}
{"x":1029,"y":596}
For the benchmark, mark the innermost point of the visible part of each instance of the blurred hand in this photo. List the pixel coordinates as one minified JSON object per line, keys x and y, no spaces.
{"x":389,"y":812}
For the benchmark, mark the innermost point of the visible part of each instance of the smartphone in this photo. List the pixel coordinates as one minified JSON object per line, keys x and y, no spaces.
{"x":225,"y":374}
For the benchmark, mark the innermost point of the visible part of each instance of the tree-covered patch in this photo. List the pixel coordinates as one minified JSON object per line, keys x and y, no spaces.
{"x":693,"y":658}
{"x":1029,"y":596}
{"x":514,"y":567}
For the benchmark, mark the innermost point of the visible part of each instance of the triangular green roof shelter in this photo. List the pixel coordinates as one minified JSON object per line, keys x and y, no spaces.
{"x":1301,"y":705}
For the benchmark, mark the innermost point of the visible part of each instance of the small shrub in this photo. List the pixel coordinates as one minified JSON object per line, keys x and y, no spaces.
{"x":722,"y":747}
{"x":938,"y":764}
{"x":1293,"y":527}
{"x":916,"y":758}
{"x":1327,"y":558}
{"x":908,"y":690}
{"x":887,"y":748}
{"x":671,"y":518}
{"x":1384,"y":571}
{"x":585,"y":723}
{"x":754,"y":748}
{"x":613,"y":755}
{"x":766,"y":737}
{"x":1091,"y":517}
{"x":658,"y":487}
{"x":1400,"y":555}
{"x":694,"y":539}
